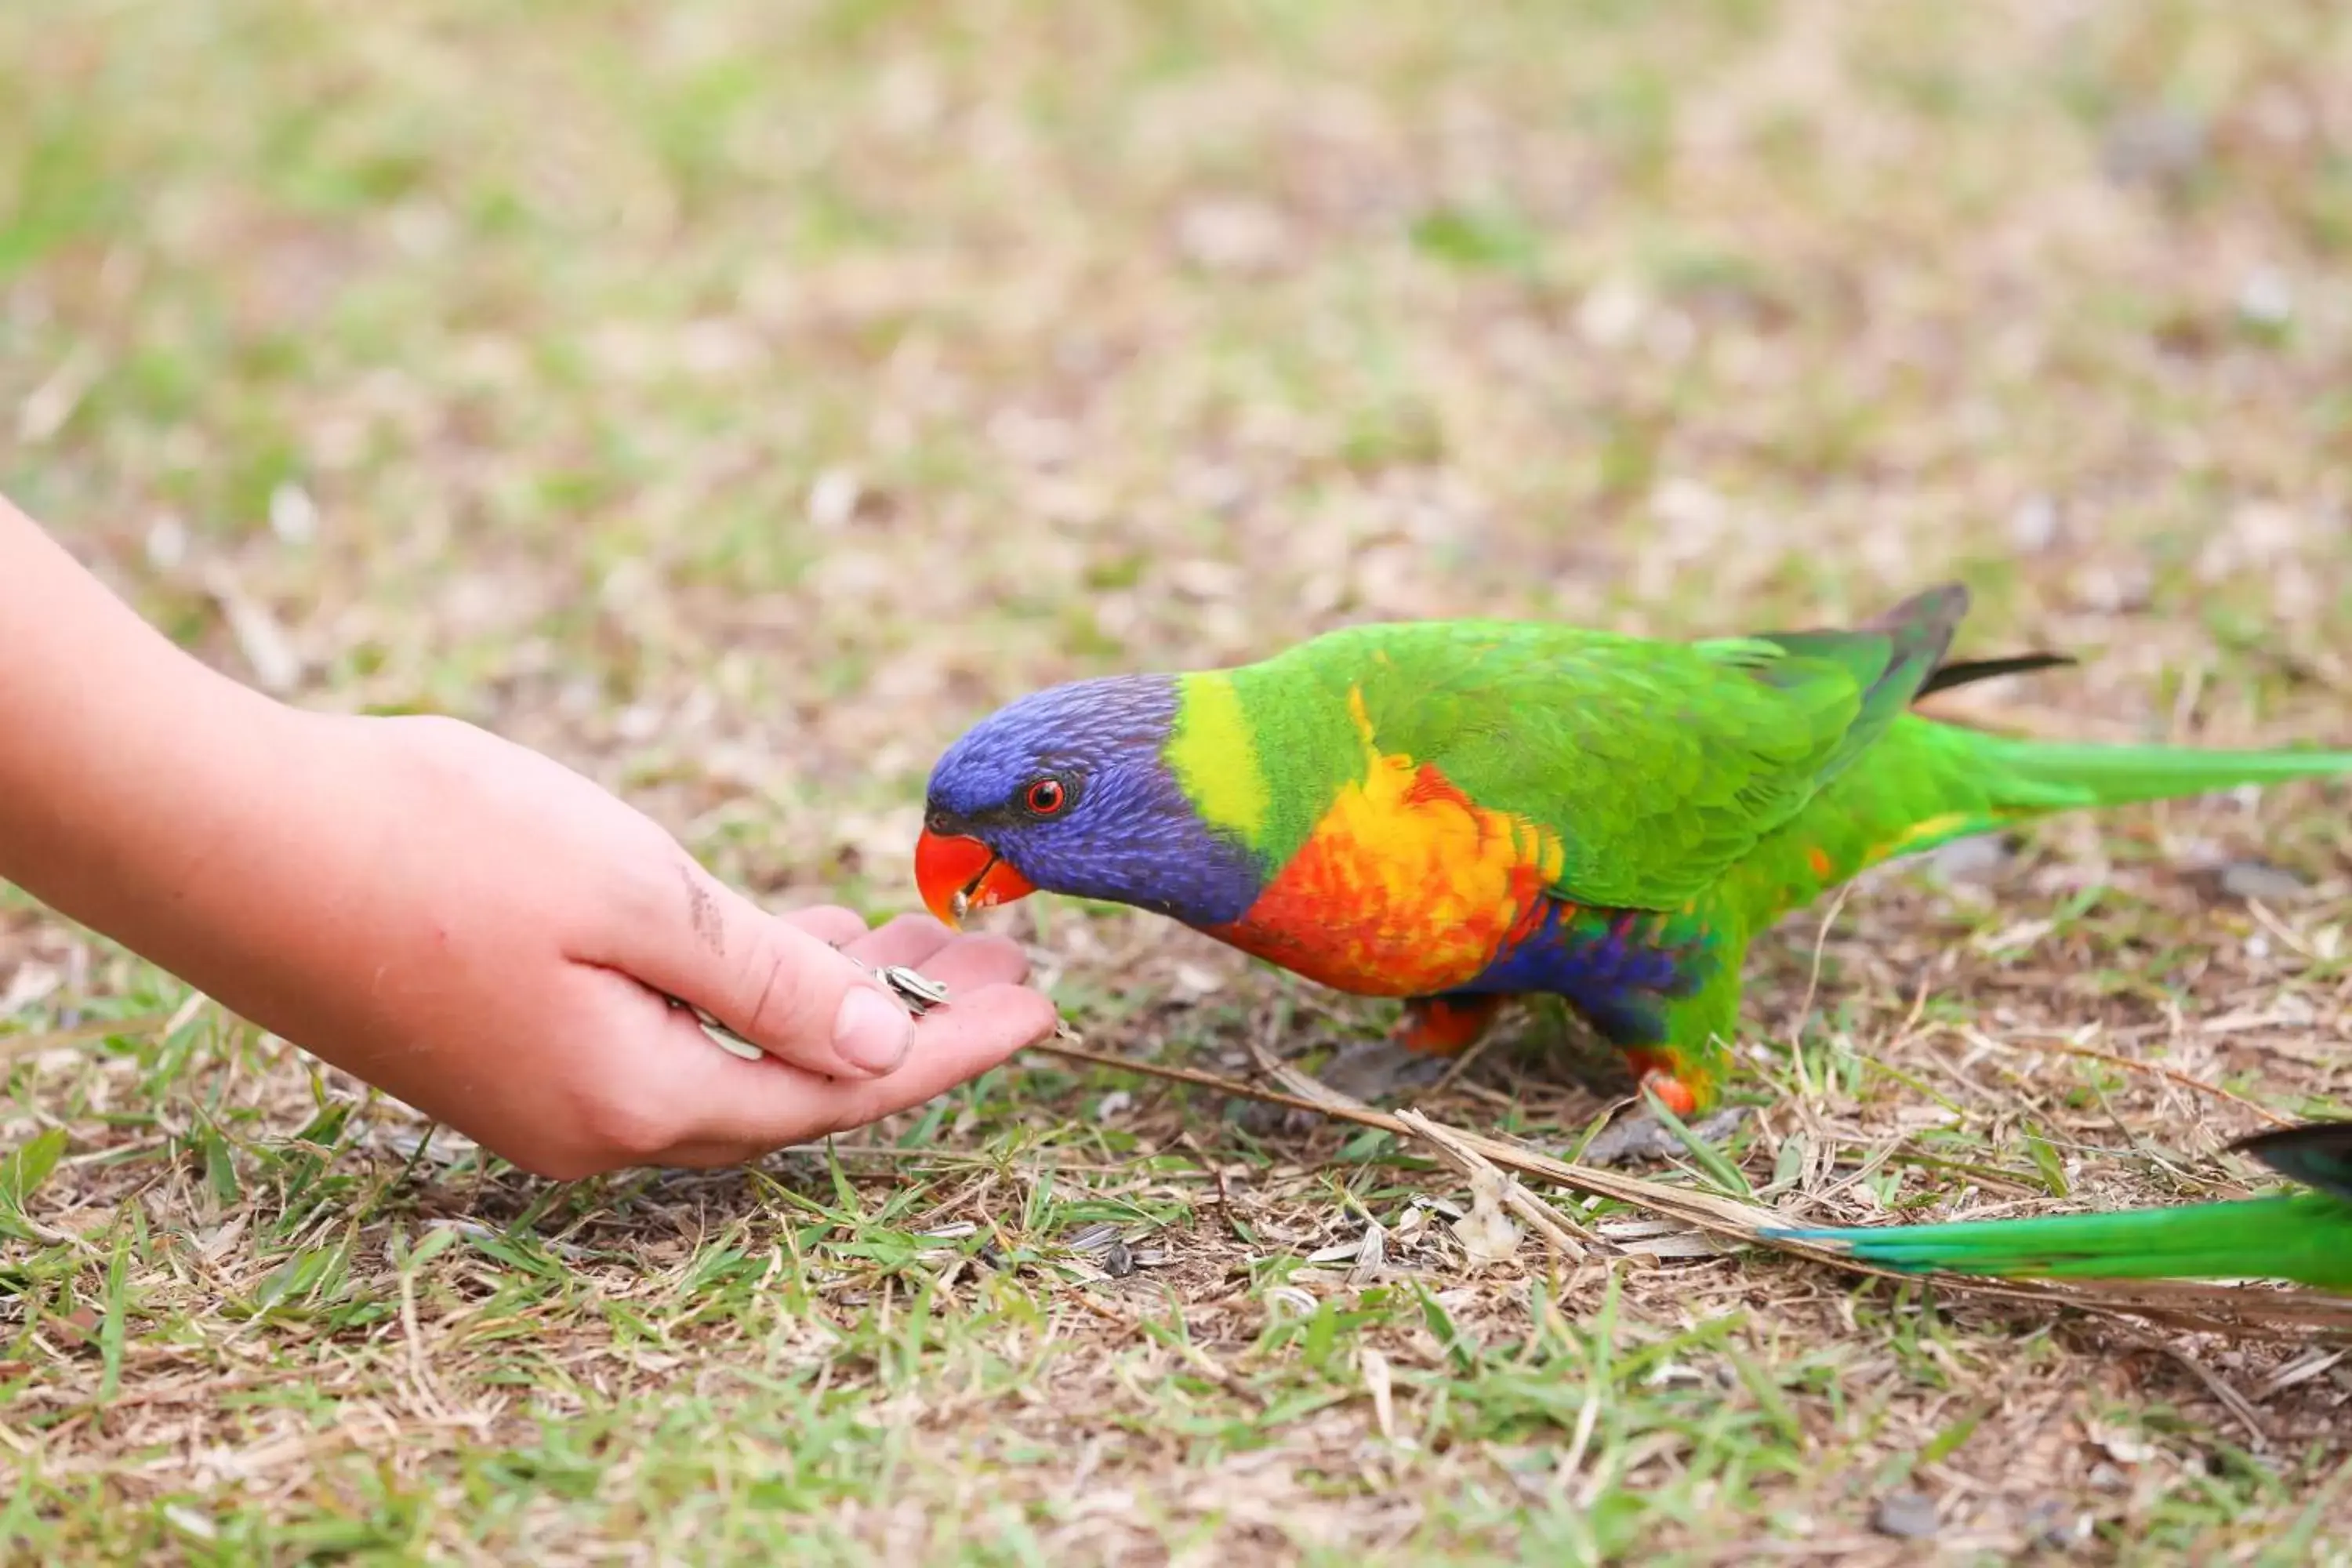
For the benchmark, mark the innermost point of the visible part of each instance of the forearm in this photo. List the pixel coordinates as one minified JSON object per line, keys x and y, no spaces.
{"x":129,"y":773}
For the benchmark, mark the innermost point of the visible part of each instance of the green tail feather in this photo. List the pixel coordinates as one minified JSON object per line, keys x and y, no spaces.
{"x":1925,"y":783}
{"x":2305,"y":1236}
{"x":2121,"y":775}
{"x":1967,"y":672}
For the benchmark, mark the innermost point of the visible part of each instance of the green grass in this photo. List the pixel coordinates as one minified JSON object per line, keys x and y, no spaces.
{"x":736,"y":400}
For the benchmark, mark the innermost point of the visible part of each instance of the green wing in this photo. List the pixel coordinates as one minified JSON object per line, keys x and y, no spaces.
{"x":1658,"y":764}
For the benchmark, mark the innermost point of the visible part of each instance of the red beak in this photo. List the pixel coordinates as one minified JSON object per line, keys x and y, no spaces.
{"x":956,"y":874}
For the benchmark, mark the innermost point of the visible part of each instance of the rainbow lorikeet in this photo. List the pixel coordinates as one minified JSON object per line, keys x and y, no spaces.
{"x":2303,"y":1236}
{"x":1455,"y":812}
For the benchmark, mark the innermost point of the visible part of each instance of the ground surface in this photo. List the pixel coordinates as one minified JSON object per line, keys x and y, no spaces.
{"x":737,"y":399}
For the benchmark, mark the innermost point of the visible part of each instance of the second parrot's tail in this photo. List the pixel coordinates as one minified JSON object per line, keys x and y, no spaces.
{"x":2302,"y":1236}
{"x":2306,"y":1238}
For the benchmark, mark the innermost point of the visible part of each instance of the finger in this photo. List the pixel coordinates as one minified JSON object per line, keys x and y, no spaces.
{"x":827,"y":922}
{"x":786,"y":991}
{"x":756,"y":1107}
{"x":715,"y":1155}
{"x":969,"y":962}
{"x":918,"y":942}
{"x":953,"y":1046}
{"x":970,"y":967}
{"x":909,"y":940}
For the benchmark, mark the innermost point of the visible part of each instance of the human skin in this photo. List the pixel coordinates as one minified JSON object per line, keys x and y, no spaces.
{"x":460,"y":920}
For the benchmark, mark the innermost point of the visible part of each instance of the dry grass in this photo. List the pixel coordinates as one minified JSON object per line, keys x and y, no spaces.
{"x":735,"y":400}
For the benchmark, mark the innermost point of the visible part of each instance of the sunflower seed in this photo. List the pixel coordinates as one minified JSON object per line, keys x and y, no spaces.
{"x":1096,"y":1237}
{"x":733,"y":1043}
{"x":725,"y":1039}
{"x":920,"y":992}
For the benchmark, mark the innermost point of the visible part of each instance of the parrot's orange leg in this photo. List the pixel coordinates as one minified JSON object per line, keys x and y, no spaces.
{"x":1661,"y":1072}
{"x":1445,"y":1025}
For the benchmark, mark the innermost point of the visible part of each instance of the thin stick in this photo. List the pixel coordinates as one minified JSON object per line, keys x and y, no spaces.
{"x":1516,"y":1198}
{"x":1192,"y":1075}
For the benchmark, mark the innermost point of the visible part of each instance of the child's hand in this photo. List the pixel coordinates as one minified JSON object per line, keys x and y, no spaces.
{"x":458,"y":920}
{"x":489,"y":935}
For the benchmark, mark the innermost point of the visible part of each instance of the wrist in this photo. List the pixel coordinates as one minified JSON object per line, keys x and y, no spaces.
{"x":217,"y":833}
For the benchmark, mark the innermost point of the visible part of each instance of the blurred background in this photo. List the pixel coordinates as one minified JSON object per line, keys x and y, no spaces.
{"x":737,"y":399}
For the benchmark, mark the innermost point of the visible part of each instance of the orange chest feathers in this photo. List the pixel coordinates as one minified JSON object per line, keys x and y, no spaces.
{"x":1406,"y":888}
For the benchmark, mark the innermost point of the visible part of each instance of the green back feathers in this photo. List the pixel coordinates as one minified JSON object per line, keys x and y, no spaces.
{"x":1657,"y":764}
{"x":1891,"y":658}
{"x":1768,"y":767}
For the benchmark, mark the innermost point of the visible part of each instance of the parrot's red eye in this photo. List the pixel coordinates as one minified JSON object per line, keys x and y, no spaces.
{"x":1046,"y":796}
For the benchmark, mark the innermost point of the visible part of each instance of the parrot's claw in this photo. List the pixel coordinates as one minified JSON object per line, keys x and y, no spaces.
{"x":1643,"y":1137}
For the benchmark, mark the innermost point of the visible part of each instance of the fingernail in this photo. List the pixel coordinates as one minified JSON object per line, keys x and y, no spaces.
{"x":872,"y":1030}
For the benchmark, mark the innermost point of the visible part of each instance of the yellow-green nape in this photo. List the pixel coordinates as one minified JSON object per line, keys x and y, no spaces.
{"x":1213,"y":753}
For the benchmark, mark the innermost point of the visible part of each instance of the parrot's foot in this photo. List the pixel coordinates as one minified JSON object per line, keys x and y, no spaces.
{"x":1374,"y":1072}
{"x":1426,"y":1043}
{"x":1445,"y":1025}
{"x":1674,"y":1080}
{"x":1658,"y":1076}
{"x":1645,"y":1138}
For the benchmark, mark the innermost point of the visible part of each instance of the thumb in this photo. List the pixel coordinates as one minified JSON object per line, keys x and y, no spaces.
{"x":787,"y":991}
